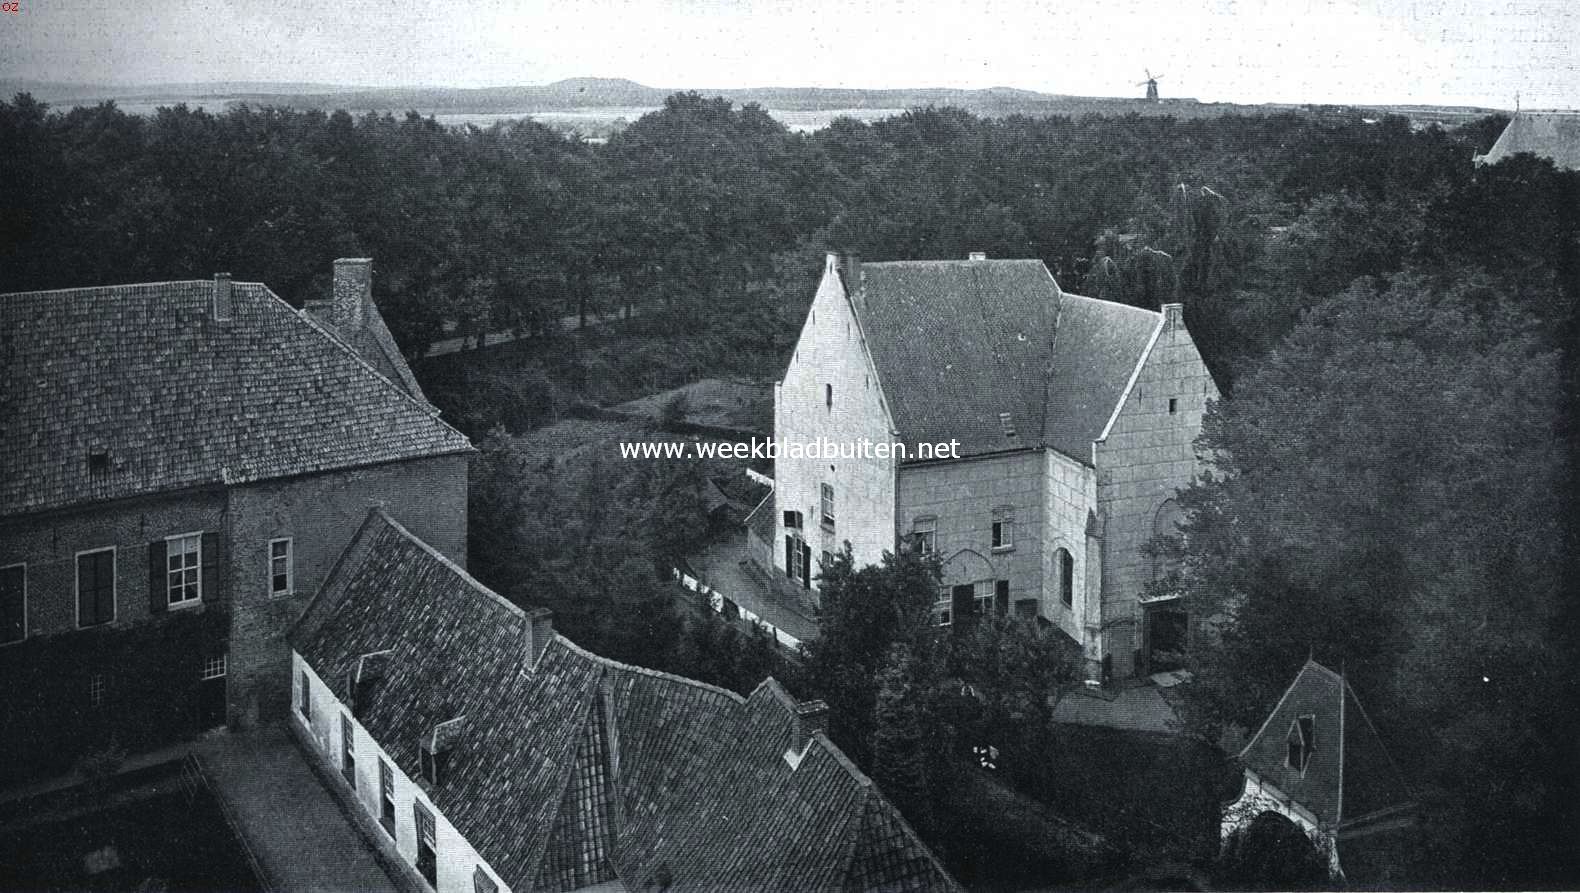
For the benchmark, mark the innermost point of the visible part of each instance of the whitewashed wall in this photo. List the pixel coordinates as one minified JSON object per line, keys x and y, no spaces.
{"x":455,"y":857}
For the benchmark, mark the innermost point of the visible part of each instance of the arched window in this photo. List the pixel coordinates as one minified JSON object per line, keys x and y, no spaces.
{"x":1166,"y":523}
{"x":1066,"y":576}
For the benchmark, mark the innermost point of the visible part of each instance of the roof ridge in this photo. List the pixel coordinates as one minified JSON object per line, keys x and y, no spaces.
{"x":104,"y":288}
{"x":427,"y":409}
{"x":645,"y":671}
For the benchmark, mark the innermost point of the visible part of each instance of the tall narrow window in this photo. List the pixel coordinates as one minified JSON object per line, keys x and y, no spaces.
{"x":924,"y":533}
{"x":827,"y":499}
{"x":1066,"y":578}
{"x":386,"y":797}
{"x":13,"y":603}
{"x":280,"y":570}
{"x":96,"y":690}
{"x":96,"y":587}
{"x":828,"y":396}
{"x":348,"y":751}
{"x":427,"y":845}
{"x":1001,"y":597}
{"x":982,"y":598}
{"x":183,"y":563}
{"x":1003,"y":529}
{"x":304,"y":706}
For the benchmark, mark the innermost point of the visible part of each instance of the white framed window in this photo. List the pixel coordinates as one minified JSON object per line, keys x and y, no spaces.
{"x":944,"y":611}
{"x":215,"y":667}
{"x":924,"y":533}
{"x":304,"y":705}
{"x":794,"y":558}
{"x":827,"y":501}
{"x":13,"y":603}
{"x":96,"y":587}
{"x":386,"y":797}
{"x":982,"y":596}
{"x":1003,"y":529}
{"x":184,"y":569}
{"x":282,"y":573}
{"x":1302,"y":742}
{"x":96,"y":690}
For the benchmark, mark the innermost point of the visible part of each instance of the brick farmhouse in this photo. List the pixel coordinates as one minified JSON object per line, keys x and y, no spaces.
{"x":192,"y":456}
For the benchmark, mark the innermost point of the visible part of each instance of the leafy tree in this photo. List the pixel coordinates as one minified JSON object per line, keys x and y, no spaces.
{"x":1387,"y":495}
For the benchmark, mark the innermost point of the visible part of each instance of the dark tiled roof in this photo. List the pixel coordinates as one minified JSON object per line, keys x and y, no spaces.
{"x":699,"y":787}
{"x":1553,"y":135}
{"x":1349,"y":775}
{"x":144,"y":373}
{"x":959,"y":344}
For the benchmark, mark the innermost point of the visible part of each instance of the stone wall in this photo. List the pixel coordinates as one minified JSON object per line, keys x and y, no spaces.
{"x":961,"y":496}
{"x":831,"y":354}
{"x":1147,"y":456}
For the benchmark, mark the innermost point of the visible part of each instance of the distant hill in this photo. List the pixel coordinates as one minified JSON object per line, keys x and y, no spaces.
{"x":596,"y":93}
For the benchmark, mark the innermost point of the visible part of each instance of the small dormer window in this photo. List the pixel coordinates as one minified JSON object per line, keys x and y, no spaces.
{"x":98,"y":462}
{"x":1007,"y":423}
{"x":1302,"y":743}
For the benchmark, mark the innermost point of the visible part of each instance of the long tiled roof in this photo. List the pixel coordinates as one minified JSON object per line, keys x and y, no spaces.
{"x":1349,"y":775}
{"x":959,"y":344}
{"x":698,"y":787}
{"x":177,"y":399}
{"x":1552,"y":135}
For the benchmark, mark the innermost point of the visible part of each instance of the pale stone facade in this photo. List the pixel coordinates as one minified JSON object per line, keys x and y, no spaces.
{"x":1098,"y":508}
{"x":830,"y":392}
{"x":1147,"y":454}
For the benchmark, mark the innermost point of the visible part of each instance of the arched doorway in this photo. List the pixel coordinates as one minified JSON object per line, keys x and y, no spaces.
{"x":1273,"y":853}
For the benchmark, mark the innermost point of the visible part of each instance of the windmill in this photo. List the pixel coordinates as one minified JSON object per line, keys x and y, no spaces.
{"x":1151,"y":83}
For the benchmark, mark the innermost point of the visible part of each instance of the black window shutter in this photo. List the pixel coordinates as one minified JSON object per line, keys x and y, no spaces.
{"x":963,"y":600}
{"x":106,"y":577}
{"x":789,"y":554}
{"x":1001,"y":596}
{"x":158,"y":587}
{"x":806,"y":566}
{"x":211,"y":565}
{"x":85,"y":590}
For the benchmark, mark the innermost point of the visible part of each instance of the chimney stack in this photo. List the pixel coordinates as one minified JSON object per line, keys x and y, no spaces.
{"x":353,"y":290}
{"x":811,"y":717}
{"x":224,"y":304}
{"x":1173,"y":316}
{"x":850,"y":274}
{"x":977,"y":255}
{"x":540,"y":633}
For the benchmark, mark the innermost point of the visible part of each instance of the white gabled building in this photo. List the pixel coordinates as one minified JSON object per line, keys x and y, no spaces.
{"x":498,"y":756}
{"x":1074,"y":421}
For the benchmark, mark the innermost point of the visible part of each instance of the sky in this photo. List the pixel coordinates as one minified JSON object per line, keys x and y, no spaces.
{"x":1455,"y":52}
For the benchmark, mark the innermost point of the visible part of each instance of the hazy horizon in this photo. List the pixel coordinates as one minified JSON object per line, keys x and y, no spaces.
{"x":1402,"y":52}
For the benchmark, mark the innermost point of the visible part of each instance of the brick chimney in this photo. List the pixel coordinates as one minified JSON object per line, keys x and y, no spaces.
{"x":540,"y":633}
{"x":1173,"y":316}
{"x":353,"y":291}
{"x":224,"y":303}
{"x":811,"y":717}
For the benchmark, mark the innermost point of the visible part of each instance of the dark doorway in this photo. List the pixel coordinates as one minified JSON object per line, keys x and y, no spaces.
{"x":1166,"y":635}
{"x":211,"y":693}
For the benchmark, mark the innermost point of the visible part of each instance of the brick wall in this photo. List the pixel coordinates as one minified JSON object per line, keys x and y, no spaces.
{"x":830,"y":352}
{"x":1148,"y":455}
{"x":48,"y":545}
{"x":320,"y":513}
